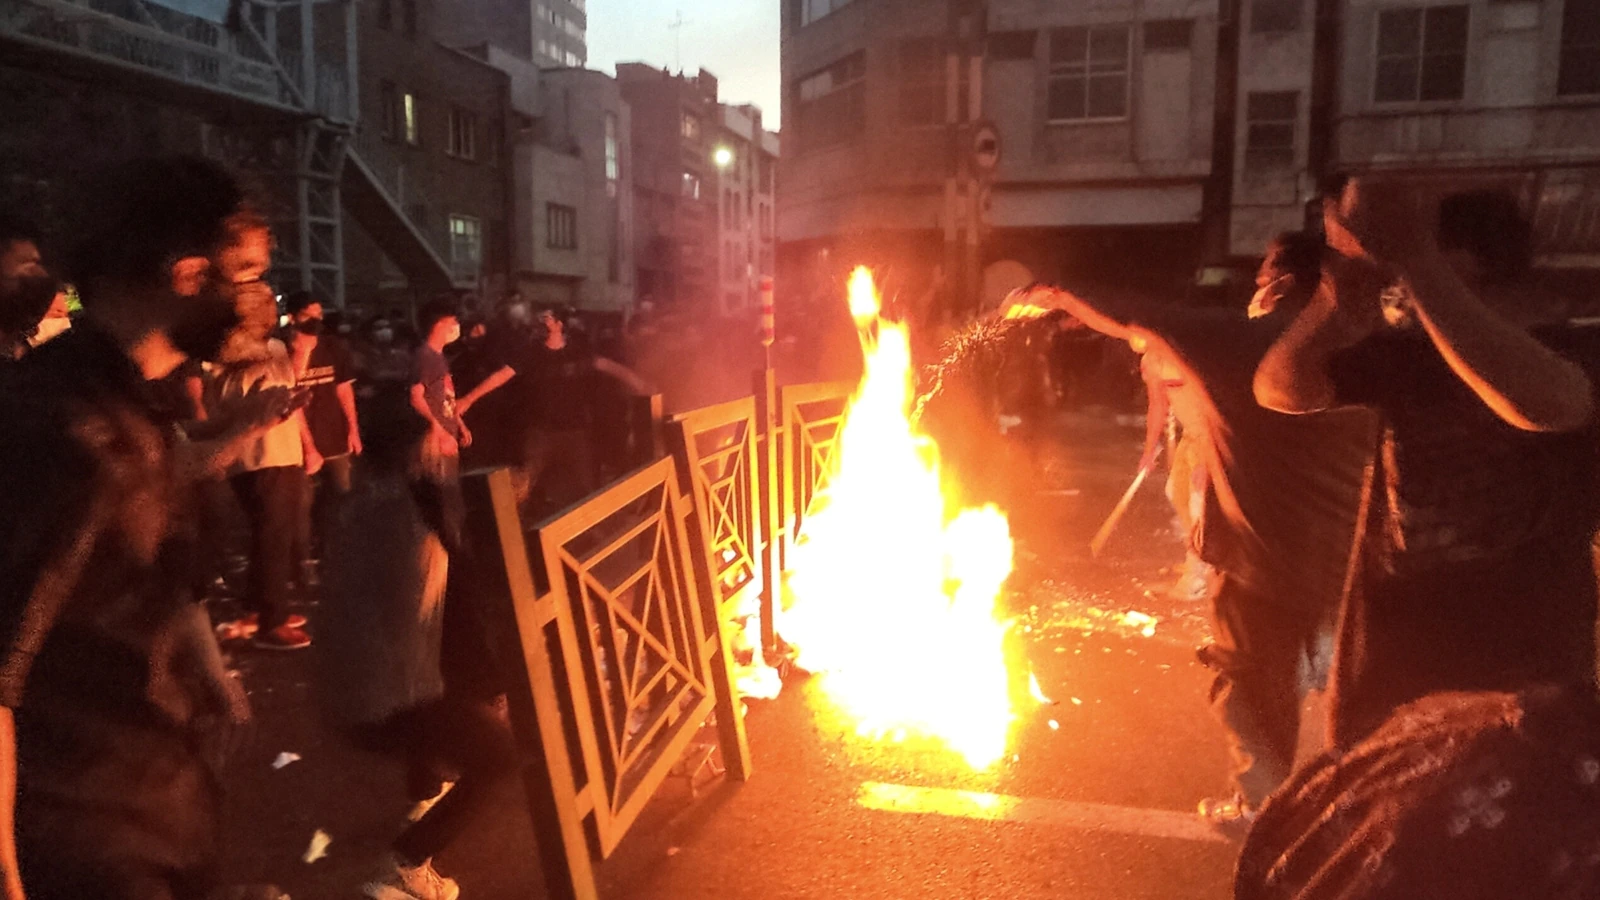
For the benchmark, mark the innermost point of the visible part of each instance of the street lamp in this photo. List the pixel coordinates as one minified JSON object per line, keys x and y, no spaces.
{"x":723,"y":157}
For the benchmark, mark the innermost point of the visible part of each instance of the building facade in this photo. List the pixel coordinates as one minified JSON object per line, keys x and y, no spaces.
{"x":675,"y":206}
{"x":1103,"y":114}
{"x":745,"y":157}
{"x":433,"y":130}
{"x":560,"y":33}
{"x":574,"y":195}
{"x":1141,"y":140}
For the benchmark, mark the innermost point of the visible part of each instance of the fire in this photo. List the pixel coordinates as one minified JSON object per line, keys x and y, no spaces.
{"x":894,"y":594}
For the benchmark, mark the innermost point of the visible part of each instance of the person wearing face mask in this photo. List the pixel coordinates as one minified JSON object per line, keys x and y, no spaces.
{"x":108,"y":670}
{"x":324,"y":369}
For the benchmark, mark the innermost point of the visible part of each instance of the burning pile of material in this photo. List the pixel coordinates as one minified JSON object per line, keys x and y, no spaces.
{"x":894,"y":592}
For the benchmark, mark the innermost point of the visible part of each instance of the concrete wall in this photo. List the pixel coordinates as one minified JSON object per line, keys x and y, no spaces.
{"x":1270,"y":197}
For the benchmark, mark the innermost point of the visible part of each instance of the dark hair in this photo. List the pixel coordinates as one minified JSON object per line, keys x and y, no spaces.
{"x":140,"y":217}
{"x":433,"y":312}
{"x":1488,"y":225}
{"x":299,"y":300}
{"x":1298,"y":254}
{"x":14,"y":230}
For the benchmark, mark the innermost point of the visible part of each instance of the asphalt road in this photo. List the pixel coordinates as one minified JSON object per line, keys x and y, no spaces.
{"x":1098,"y":805}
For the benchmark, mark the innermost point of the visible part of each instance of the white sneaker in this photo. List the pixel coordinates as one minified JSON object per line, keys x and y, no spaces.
{"x":423,"y":806}
{"x":402,"y":882}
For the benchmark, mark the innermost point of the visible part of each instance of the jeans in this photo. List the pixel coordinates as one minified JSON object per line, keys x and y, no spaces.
{"x":272,"y":499}
{"x":1255,"y":693}
{"x":333,"y":482}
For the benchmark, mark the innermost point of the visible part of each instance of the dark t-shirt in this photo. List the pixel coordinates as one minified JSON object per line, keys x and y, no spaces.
{"x":563,"y":387}
{"x":328,"y":367}
{"x":1477,"y":570}
{"x":91,"y":600}
{"x":438,"y":387}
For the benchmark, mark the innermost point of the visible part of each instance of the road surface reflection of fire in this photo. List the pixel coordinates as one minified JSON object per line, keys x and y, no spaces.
{"x":893,"y":597}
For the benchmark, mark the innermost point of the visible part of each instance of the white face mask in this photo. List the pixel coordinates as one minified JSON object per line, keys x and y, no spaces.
{"x":50,"y":329}
{"x":1267,"y":296}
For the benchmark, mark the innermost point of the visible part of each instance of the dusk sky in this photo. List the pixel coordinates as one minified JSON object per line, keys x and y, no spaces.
{"x":737,"y":40}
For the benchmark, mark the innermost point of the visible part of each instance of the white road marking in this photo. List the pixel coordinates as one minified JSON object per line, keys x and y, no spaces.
{"x":1159,"y":823}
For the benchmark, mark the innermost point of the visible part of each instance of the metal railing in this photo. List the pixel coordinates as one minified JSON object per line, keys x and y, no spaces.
{"x":624,"y":606}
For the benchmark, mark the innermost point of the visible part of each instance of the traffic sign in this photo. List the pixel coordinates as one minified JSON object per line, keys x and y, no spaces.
{"x":985,"y":147}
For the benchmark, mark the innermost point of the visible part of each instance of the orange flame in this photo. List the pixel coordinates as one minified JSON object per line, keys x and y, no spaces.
{"x":893,"y":597}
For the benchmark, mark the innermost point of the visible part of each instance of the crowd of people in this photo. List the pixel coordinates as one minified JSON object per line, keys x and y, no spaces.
{"x":181,"y":400}
{"x":1400,"y":438}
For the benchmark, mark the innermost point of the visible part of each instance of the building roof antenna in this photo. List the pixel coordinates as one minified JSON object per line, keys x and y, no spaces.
{"x":676,"y":25}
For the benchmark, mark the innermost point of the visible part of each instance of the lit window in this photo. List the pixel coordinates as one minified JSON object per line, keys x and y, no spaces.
{"x":691,"y":186}
{"x":613,"y":156}
{"x":691,"y":127}
{"x":463,"y":134}
{"x":1580,"y":49}
{"x":466,"y":248}
{"x":561,"y":227}
{"x":1088,"y":73}
{"x":1422,"y":54}
{"x":408,"y":106}
{"x":1270,"y":125}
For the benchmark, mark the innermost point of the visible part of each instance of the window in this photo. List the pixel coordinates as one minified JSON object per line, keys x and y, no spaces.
{"x":832,"y":104}
{"x":1422,"y":54}
{"x":1580,"y":49}
{"x":1168,"y":34}
{"x":691,"y":186}
{"x":1270,"y":124}
{"x":1012,"y":45}
{"x":466,"y":248}
{"x":812,"y":10}
{"x":613,"y":156}
{"x":561,"y":227}
{"x":408,"y":109}
{"x":574,"y":60}
{"x":574,"y":29}
{"x":463,"y":134}
{"x":1268,"y":16}
{"x":390,"y":116}
{"x":1088,"y":73}
{"x":691,"y":127}
{"x":922,"y":82}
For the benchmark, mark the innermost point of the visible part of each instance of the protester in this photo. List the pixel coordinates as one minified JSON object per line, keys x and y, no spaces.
{"x":490,"y":355}
{"x":560,"y":454}
{"x":381,"y":634}
{"x":109,"y":669}
{"x":1275,"y":517}
{"x":433,"y":390}
{"x":269,"y":479}
{"x":1476,"y":572}
{"x":323,"y":368}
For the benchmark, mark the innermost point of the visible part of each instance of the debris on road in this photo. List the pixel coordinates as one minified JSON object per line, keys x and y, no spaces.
{"x":319,"y":847}
{"x":285,"y":759}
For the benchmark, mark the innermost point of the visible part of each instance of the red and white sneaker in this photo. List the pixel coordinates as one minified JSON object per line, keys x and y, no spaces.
{"x":284,"y":637}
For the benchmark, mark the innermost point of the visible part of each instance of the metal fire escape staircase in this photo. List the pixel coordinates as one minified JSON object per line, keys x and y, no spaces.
{"x":282,"y":97}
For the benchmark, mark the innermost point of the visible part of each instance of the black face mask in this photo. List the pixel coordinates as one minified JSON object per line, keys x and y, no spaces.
{"x":204,"y":323}
{"x":310,"y":327}
{"x":26,"y":302}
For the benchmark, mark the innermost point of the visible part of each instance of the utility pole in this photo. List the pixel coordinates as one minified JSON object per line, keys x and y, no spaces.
{"x":963,"y":110}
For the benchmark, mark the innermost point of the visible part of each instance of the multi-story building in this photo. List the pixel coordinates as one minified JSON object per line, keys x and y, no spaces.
{"x":674,"y":205}
{"x":572,"y":229}
{"x":560,"y":33}
{"x":1154,"y":138}
{"x":745,"y":156}
{"x":1437,"y":94}
{"x":1104,"y":114}
{"x":433,"y":131}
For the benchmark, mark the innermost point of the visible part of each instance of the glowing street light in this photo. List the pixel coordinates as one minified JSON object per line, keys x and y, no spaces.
{"x":723,"y":157}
